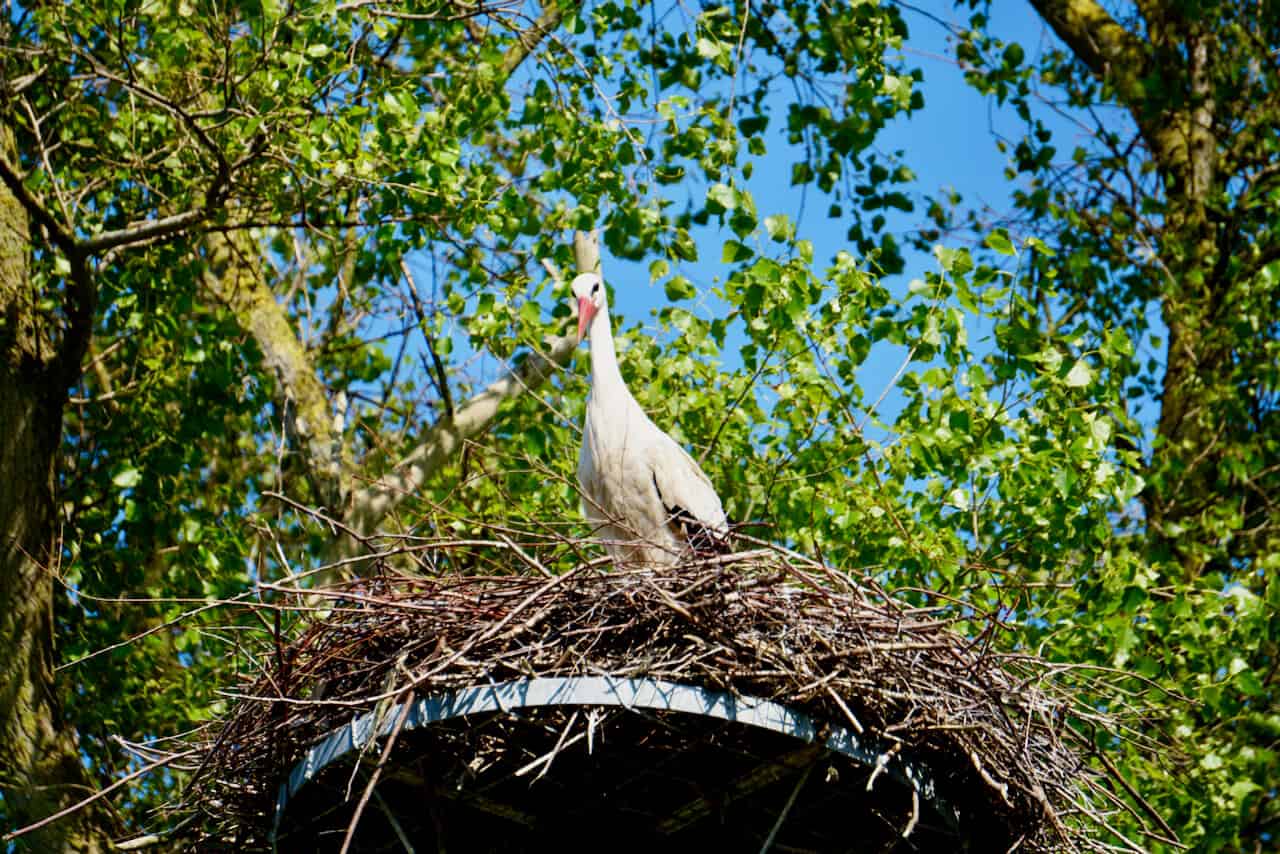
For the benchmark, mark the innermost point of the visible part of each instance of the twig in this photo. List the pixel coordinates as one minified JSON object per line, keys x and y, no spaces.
{"x":79,"y":805}
{"x":915,"y":813}
{"x":1002,"y":788}
{"x":546,"y":760}
{"x":853,"y":720}
{"x":524,"y":556}
{"x":405,"y":705}
{"x":786,"y":809}
{"x":394,"y":822}
{"x":1133,"y":793}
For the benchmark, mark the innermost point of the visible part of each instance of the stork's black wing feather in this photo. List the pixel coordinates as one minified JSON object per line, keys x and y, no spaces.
{"x":703,"y":540}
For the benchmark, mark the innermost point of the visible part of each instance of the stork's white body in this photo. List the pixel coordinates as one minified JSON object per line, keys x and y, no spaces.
{"x":646,"y":496}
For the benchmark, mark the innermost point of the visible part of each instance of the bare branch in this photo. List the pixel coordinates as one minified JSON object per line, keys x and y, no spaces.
{"x":143,"y":232}
{"x":529,"y":39}
{"x":79,"y":805}
{"x":372,"y":504}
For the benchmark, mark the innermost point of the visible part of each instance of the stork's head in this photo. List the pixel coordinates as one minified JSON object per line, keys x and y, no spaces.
{"x":588,"y":288}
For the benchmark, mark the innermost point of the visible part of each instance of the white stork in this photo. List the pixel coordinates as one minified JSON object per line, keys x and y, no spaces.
{"x":649,"y":500}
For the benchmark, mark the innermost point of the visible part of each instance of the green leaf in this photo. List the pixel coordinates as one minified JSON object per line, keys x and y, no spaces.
{"x":1080,"y":374}
{"x":957,"y":262}
{"x":683,"y":246}
{"x":1100,"y":428}
{"x":734,"y":252}
{"x":678,"y":288}
{"x":723,"y":196}
{"x":1040,"y":246}
{"x":999,"y":241}
{"x":779,"y":227}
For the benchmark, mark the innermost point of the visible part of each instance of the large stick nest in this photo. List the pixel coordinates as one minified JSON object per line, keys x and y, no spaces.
{"x":1009,"y":749}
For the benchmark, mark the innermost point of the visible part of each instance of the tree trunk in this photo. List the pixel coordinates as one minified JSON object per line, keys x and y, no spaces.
{"x":40,"y":768}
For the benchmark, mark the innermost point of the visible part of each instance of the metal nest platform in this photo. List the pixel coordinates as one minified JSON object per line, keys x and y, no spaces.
{"x":591,"y":763}
{"x":755,"y":702}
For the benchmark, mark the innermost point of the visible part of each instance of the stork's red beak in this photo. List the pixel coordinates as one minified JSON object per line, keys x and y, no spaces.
{"x":586,"y":311}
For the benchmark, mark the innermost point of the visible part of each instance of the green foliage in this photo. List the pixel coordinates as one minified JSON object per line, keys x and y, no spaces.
{"x":1162,"y":281}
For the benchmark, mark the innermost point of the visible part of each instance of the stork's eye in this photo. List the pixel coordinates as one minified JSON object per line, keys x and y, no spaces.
{"x":595,"y":289}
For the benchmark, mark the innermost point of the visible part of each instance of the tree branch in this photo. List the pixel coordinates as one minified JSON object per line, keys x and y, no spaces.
{"x":372,"y":504}
{"x":82,"y":296}
{"x":147,"y":230}
{"x":436,"y":373}
{"x":143,"y":231}
{"x":58,"y":232}
{"x":529,"y":39}
{"x":1109,"y":50}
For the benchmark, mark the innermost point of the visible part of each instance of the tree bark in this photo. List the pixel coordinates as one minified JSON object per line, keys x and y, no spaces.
{"x":1109,"y":50}
{"x":40,"y":768}
{"x":236,"y":279}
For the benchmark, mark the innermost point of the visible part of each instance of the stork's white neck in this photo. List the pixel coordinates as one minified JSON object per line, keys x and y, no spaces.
{"x":606,"y":379}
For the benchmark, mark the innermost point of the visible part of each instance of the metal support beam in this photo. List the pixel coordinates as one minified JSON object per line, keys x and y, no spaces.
{"x":605,"y":691}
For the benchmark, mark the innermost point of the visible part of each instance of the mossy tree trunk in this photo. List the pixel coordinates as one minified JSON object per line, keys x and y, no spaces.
{"x":40,"y":768}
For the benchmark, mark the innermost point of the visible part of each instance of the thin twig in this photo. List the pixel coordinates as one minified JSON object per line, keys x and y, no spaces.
{"x":405,"y":705}
{"x":782,"y":816}
{"x":79,"y":805}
